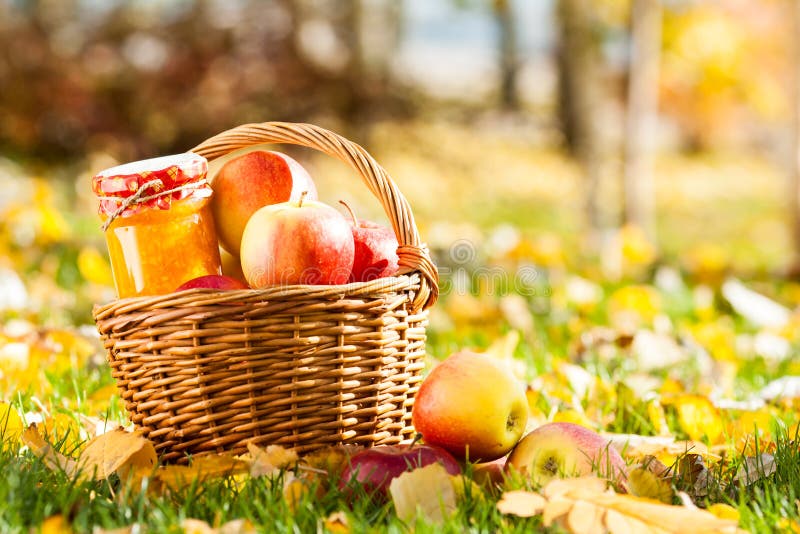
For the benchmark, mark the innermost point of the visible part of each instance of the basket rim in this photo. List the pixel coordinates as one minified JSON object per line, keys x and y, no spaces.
{"x":201,"y":296}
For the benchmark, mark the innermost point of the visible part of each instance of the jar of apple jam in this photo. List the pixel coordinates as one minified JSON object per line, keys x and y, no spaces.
{"x":157,"y":223}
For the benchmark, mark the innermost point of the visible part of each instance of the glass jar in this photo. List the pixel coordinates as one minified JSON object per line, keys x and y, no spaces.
{"x":158,"y":223}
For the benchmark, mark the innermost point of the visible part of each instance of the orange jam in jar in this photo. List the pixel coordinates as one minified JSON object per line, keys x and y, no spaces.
{"x":158,"y":223}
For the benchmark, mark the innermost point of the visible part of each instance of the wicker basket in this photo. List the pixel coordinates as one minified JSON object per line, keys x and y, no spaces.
{"x":204,"y":371}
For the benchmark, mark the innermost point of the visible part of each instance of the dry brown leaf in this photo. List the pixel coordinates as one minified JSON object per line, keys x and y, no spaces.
{"x":118,"y":451}
{"x":521,"y":503}
{"x":427,"y":491}
{"x":52,"y":458}
{"x":337,"y":523}
{"x":754,"y":468}
{"x":269,"y":461}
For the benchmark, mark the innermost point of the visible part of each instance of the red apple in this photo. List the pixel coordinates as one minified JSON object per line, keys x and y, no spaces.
{"x":566,"y":450}
{"x":375,"y":249}
{"x":375,"y":468}
{"x":472,"y":406}
{"x":297,"y":242}
{"x":213,"y":281}
{"x":250,"y":181}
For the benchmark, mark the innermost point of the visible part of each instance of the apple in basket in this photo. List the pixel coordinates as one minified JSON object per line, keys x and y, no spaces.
{"x":213,"y":281}
{"x":375,"y":249}
{"x":471,"y":405}
{"x":297,"y":242}
{"x":250,"y":181}
{"x":564,"y":450}
{"x":375,"y":468}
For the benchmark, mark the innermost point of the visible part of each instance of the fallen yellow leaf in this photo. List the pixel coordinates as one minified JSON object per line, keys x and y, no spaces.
{"x":10,"y":424}
{"x":269,"y":461}
{"x":427,"y":491}
{"x":52,"y":458}
{"x":585,"y":505}
{"x":337,"y":523}
{"x":176,"y":477}
{"x":55,"y":524}
{"x":118,"y":451}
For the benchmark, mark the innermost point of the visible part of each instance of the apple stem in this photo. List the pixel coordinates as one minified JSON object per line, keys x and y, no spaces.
{"x":352,"y":213}
{"x":417,"y":439}
{"x":302,"y":196}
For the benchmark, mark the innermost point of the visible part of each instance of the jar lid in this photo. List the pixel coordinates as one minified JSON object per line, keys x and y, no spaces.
{"x":154,"y":183}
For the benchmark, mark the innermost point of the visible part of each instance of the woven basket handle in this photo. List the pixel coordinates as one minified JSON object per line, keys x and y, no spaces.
{"x":412,"y":253}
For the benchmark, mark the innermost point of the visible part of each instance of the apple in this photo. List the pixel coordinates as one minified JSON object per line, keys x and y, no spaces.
{"x":375,"y":249}
{"x":213,"y":281}
{"x":250,"y":181}
{"x":375,"y":468}
{"x":471,"y":406}
{"x":231,"y":266}
{"x":297,"y":242}
{"x":566,"y":450}
{"x":490,"y":474}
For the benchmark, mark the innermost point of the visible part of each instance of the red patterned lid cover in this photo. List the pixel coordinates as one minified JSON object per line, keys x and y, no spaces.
{"x":184,"y":173}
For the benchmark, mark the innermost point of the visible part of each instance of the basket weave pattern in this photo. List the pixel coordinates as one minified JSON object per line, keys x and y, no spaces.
{"x":204,"y":371}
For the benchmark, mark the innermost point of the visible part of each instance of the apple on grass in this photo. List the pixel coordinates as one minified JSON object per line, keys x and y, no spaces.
{"x":566,"y":450}
{"x":297,"y":242}
{"x":375,"y":468}
{"x":471,"y":406}
{"x":250,"y":181}
{"x":375,"y":252}
{"x":213,"y":281}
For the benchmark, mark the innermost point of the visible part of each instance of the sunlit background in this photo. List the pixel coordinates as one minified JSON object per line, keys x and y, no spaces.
{"x":608,"y":139}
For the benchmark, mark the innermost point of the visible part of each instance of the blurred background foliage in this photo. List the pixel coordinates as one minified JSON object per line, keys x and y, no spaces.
{"x":511,"y":124}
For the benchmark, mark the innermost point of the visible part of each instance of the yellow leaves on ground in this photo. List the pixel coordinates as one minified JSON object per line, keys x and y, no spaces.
{"x":427,"y":492}
{"x":698,"y":417}
{"x":197,"y":526}
{"x":585,"y":505}
{"x":125,"y":453}
{"x":10,"y":424}
{"x":269,"y":461}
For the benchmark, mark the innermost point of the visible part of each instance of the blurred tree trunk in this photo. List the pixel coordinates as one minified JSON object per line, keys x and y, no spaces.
{"x":642,"y":113}
{"x":580,"y":97}
{"x":509,"y":64}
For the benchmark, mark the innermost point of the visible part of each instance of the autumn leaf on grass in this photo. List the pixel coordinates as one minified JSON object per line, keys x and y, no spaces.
{"x":584,"y":505}
{"x":125,"y":453}
{"x":698,"y":417}
{"x":176,"y":477}
{"x":118,"y":451}
{"x":269,"y":461}
{"x":337,"y":523}
{"x":755,"y":468}
{"x":237,"y":526}
{"x":427,"y":492}
{"x":44,"y":451}
{"x":10,"y":424}
{"x":650,"y":479}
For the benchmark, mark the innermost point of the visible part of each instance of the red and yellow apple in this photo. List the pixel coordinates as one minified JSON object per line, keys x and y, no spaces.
{"x":297,"y":242}
{"x":250,"y":181}
{"x":375,"y":468}
{"x":375,"y":249}
{"x":472,"y":406}
{"x":213,"y":281}
{"x":566,"y":450}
